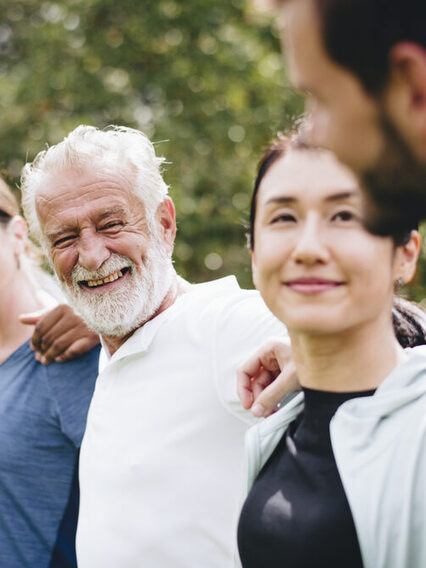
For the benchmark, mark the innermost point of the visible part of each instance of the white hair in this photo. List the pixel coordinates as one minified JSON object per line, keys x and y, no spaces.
{"x":85,"y":146}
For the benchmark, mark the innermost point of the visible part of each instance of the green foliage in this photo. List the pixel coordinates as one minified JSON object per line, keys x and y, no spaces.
{"x":203,"y":79}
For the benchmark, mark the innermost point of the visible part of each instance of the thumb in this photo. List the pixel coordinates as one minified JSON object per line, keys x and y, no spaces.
{"x":33,"y":317}
{"x":286,"y":382}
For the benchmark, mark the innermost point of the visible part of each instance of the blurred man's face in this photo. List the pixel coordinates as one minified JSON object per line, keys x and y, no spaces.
{"x":351,"y":123}
{"x":344,"y":118}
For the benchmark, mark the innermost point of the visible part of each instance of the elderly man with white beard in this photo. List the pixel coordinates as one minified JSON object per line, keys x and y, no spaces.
{"x":161,"y":459}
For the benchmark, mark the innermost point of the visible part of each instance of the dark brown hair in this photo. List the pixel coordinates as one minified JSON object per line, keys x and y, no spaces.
{"x":276,"y":150}
{"x":359,"y":34}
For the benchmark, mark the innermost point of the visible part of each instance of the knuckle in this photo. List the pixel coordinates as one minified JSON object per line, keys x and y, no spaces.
{"x":40,"y":328}
{"x":57,"y":346}
{"x":72,"y":352}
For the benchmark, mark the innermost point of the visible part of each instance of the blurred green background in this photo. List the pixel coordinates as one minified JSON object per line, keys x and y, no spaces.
{"x":204,"y":79}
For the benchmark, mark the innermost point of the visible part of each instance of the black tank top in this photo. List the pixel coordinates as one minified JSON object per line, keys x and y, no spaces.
{"x":296,"y":514}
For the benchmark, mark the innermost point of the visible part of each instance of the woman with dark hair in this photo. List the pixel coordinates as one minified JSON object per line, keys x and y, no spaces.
{"x":42,"y":415}
{"x":337,"y":475}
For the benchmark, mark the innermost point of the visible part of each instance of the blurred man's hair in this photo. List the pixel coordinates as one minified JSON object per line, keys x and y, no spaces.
{"x":359,"y":34}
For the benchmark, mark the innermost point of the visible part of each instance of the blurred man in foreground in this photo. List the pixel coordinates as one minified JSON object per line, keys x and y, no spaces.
{"x":362,"y":65}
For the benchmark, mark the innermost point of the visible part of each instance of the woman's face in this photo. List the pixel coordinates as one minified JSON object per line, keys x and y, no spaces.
{"x":12,"y":244}
{"x":318,"y":270}
{"x":7,"y":259}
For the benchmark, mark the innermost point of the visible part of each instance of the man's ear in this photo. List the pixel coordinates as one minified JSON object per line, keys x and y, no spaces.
{"x":406,"y":257}
{"x":17,"y":229}
{"x":405,"y":95}
{"x":166,"y":218}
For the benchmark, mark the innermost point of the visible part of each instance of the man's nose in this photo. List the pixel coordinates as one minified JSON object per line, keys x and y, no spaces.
{"x":311,"y":247}
{"x":92,"y":252}
{"x":314,"y":131}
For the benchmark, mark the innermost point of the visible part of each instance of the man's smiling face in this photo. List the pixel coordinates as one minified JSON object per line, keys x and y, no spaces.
{"x":112,"y":262}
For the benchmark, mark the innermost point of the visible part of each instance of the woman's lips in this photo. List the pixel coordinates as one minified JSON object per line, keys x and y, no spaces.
{"x":311,"y":286}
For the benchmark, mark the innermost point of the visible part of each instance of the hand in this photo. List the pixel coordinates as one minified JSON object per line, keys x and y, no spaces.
{"x":59,"y":334}
{"x":267,"y":377}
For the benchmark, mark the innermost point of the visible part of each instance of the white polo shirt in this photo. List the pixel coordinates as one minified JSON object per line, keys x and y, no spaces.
{"x":161,"y":459}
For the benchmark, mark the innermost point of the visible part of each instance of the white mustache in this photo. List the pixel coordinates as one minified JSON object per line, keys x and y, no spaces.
{"x":113,"y":264}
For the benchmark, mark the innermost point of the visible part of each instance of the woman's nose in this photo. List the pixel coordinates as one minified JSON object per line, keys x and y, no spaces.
{"x":310,"y":247}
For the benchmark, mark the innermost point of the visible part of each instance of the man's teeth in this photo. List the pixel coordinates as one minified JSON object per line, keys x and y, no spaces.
{"x":110,"y":278}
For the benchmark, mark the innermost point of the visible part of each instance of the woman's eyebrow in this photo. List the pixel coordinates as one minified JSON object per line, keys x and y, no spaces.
{"x":282,"y":199}
{"x":290,"y":199}
{"x":342,"y":195}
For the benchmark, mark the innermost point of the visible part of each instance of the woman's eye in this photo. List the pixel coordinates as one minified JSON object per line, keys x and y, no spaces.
{"x":344,"y":216}
{"x":283,"y":218}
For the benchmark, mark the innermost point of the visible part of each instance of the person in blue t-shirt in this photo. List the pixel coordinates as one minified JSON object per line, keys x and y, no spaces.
{"x":42,"y":418}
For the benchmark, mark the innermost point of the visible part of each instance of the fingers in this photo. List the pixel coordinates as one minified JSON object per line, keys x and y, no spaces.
{"x":271,"y":356}
{"x":33,"y":317}
{"x":268,"y":398}
{"x":260,"y":383}
{"x":249,"y":385}
{"x":266,"y":377}
{"x":58,"y":346}
{"x":78,"y":348}
{"x":61,"y":335}
{"x":246,"y":374}
{"x":275,"y":354}
{"x":44,"y":332}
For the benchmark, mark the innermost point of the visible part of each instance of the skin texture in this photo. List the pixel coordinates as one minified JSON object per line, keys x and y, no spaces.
{"x":343,"y":117}
{"x":317,"y":234}
{"x":13,"y":236}
{"x":267,"y":377}
{"x":309,"y":225}
{"x":59,"y":334}
{"x":83,"y":227}
{"x":16,"y":291}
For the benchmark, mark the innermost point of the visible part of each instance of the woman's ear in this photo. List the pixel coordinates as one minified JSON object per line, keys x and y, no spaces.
{"x":17,"y":230}
{"x":254,"y":275}
{"x":406,"y":257}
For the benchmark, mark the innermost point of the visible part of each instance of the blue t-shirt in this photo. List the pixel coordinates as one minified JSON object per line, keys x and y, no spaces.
{"x":43,"y":412}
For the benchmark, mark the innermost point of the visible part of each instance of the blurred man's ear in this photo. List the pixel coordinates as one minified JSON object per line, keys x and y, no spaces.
{"x":405,"y":95}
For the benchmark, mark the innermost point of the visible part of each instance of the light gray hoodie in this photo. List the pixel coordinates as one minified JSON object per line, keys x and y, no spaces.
{"x":379,"y":443}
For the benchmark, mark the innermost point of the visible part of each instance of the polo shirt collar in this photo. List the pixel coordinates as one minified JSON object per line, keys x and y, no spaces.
{"x":142,"y":338}
{"x":139,"y":341}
